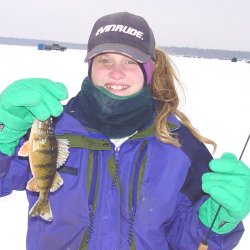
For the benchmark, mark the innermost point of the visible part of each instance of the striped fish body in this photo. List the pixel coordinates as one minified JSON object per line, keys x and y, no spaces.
{"x":43,"y":155}
{"x":46,"y":153}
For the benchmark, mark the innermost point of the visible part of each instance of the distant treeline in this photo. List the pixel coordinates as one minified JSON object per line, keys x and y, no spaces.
{"x":208,"y":53}
{"x":35,"y":42}
{"x":178,"y":51}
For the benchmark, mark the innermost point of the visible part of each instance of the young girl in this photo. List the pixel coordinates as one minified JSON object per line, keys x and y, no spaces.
{"x":137,"y":172}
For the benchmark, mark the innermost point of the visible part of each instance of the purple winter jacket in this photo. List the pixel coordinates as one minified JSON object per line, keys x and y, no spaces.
{"x":146,"y":195}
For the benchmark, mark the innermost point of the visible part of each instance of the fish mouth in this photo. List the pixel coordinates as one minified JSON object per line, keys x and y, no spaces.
{"x":37,"y":124}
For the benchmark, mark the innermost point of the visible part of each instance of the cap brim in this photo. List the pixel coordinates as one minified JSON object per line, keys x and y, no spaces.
{"x":136,"y":54}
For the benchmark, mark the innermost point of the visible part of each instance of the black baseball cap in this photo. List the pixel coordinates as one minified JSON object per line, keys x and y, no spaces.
{"x":124,"y":33}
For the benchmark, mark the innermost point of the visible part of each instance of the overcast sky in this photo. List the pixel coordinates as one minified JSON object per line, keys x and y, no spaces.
{"x":211,"y":24}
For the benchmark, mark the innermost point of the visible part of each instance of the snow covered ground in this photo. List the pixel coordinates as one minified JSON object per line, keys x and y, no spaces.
{"x":217,"y":102}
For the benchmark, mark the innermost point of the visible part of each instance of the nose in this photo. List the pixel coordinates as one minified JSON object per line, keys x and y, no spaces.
{"x":117,"y":72}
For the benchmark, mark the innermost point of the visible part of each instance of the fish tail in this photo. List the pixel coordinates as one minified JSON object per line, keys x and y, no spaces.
{"x":42,"y":208}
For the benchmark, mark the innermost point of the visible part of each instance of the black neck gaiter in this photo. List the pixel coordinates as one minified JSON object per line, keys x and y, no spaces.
{"x":115,"y":116}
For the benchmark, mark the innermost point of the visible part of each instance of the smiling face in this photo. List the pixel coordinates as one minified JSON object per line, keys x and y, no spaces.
{"x":119,"y":74}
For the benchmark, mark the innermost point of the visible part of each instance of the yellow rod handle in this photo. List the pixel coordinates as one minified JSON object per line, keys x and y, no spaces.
{"x":203,"y":246}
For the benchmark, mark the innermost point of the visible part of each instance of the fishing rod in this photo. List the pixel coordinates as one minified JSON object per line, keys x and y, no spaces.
{"x":204,"y":245}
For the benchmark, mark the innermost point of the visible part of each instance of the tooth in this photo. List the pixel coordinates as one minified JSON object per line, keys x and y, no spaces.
{"x":116,"y":87}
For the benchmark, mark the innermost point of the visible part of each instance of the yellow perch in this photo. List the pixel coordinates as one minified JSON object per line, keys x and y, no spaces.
{"x":46,"y":153}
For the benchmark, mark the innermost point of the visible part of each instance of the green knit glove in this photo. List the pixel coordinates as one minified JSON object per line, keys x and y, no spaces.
{"x":24,"y":100}
{"x":9,"y":139}
{"x":229,"y":186}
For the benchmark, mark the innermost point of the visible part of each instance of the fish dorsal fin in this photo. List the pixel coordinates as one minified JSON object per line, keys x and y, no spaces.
{"x":24,"y":150}
{"x":63,"y":151}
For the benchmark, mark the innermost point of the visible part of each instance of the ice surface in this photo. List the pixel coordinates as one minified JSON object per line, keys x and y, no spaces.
{"x":217,"y":102}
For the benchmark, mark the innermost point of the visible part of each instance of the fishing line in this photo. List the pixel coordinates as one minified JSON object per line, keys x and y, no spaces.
{"x":203,"y":244}
{"x":244,"y":147}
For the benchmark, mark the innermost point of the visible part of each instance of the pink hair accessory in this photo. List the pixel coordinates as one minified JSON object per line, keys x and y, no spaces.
{"x":148,"y":67}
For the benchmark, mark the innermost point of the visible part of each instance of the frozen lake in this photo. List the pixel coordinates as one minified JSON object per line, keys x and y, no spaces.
{"x":217,"y":102}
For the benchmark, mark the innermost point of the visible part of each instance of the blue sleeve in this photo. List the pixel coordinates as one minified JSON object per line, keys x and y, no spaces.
{"x":14,"y":173}
{"x":185,"y":229}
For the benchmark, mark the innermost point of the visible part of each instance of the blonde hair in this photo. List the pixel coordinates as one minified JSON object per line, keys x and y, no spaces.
{"x":164,"y":89}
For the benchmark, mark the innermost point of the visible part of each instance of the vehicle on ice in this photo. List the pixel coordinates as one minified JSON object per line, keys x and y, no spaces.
{"x":55,"y":46}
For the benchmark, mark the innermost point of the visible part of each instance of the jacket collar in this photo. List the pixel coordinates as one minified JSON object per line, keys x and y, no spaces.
{"x":66,"y":124}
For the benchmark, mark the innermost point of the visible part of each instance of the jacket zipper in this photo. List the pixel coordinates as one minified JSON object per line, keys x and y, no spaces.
{"x":117,"y":158}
